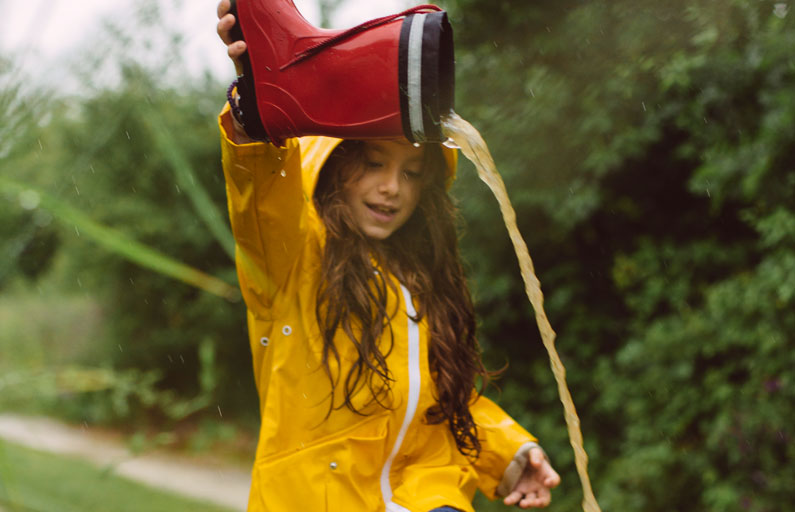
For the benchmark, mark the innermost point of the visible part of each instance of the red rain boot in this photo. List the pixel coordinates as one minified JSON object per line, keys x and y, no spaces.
{"x":386,"y":78}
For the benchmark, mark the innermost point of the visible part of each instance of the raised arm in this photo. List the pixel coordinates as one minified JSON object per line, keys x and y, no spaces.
{"x":265,"y":198}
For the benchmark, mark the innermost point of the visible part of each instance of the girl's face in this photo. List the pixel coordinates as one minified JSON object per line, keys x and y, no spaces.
{"x":385,"y":193}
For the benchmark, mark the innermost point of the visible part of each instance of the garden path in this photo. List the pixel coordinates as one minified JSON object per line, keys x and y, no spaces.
{"x":220,"y":484}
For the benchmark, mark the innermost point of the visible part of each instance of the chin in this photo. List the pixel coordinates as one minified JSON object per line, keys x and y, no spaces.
{"x":377,"y":234}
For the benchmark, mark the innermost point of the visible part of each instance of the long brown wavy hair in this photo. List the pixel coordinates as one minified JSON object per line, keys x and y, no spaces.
{"x":423,"y":253}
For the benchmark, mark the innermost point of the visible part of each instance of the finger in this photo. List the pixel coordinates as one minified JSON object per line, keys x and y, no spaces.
{"x":535,"y":499}
{"x":552,"y":480}
{"x":530,"y":500}
{"x":236,"y":49}
{"x":224,"y":27}
{"x":513,"y":498}
{"x":537,"y":457}
{"x":223,"y":8}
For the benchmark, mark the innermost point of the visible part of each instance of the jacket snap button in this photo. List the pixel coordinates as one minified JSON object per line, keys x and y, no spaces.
{"x":333,"y":465}
{"x":287,"y":330}
{"x":264,"y":341}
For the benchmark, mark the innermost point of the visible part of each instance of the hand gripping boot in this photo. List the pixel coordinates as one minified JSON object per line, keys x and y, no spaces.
{"x":386,"y":78}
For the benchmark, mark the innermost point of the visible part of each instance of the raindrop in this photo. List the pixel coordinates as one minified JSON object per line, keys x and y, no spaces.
{"x":170,"y":360}
{"x":77,"y":190}
{"x":29,"y":199}
{"x":40,"y":146}
{"x":92,"y":169}
{"x":708,"y":195}
{"x":219,"y":412}
{"x":267,"y":68}
{"x":283,"y":173}
{"x":178,"y":190}
{"x":532,"y":93}
{"x":77,"y":231}
{"x":132,"y":282}
{"x":416,"y":144}
{"x":182,"y":359}
{"x":120,"y":350}
{"x":644,"y":105}
{"x":79,"y":282}
{"x":128,"y":134}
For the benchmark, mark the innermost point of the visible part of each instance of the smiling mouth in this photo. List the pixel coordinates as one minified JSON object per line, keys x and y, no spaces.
{"x":381,"y":210}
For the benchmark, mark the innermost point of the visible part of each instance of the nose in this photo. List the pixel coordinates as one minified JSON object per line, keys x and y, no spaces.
{"x":390,"y":181}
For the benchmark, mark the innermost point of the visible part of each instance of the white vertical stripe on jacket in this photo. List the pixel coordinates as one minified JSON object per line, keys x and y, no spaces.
{"x":411,"y":406}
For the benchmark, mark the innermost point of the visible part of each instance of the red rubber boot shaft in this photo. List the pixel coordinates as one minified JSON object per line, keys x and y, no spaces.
{"x":348,"y":90}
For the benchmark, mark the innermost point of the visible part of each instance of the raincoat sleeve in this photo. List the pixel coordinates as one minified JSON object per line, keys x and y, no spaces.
{"x":266,"y":203}
{"x":503,"y":440}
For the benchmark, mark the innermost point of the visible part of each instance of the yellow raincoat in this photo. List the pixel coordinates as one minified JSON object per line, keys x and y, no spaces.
{"x":389,"y":460}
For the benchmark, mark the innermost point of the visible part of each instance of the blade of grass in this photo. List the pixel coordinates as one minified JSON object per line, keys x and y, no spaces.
{"x":205,"y":208}
{"x":118,"y":243}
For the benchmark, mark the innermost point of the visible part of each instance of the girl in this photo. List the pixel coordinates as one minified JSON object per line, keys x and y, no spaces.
{"x":362,"y":330}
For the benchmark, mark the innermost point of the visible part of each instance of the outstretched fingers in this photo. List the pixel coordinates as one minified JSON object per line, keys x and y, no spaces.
{"x":531,"y":499}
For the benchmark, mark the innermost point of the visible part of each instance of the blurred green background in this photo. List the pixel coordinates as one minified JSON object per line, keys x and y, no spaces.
{"x":648,"y":148}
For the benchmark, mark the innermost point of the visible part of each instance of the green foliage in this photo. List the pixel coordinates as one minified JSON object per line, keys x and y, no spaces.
{"x":648,"y":150}
{"x":115,"y":186}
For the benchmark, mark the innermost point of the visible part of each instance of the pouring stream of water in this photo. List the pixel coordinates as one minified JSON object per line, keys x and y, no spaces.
{"x":474,"y":148}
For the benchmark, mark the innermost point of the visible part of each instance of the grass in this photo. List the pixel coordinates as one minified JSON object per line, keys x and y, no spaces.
{"x":41,"y":482}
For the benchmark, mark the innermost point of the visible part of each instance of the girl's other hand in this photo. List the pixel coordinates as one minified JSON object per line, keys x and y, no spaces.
{"x":225,"y":23}
{"x":534,"y":486}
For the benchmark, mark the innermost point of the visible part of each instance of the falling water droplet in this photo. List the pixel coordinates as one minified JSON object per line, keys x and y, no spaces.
{"x":450,"y":143}
{"x":283,"y":173}
{"x":416,"y":144}
{"x":219,"y":412}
